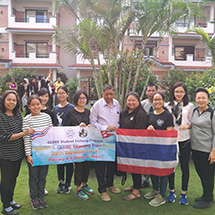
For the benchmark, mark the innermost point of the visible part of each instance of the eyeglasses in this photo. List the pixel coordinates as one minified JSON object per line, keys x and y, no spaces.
{"x":82,"y":98}
{"x":61,"y":93}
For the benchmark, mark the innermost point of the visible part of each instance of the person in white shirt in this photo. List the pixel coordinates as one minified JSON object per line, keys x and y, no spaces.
{"x":105,"y":116}
{"x":182,"y":111}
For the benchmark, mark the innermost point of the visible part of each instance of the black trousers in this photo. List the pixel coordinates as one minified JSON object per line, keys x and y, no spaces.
{"x":37,"y":180}
{"x":159,"y":183}
{"x":105,"y":174}
{"x":184,"y":150}
{"x":69,"y":172}
{"x":136,"y":180}
{"x":205,"y":170}
{"x":9,"y":174}
{"x":82,"y":170}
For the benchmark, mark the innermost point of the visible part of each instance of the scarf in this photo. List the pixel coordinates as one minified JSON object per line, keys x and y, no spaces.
{"x":177,"y":111}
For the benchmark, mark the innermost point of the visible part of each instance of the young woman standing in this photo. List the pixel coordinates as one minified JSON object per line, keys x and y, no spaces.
{"x":79,"y":116}
{"x":159,"y":119}
{"x":182,"y":111}
{"x":59,"y":113}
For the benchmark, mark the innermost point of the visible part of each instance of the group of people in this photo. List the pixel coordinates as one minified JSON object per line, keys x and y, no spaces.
{"x":106,"y":114}
{"x":31,"y":87}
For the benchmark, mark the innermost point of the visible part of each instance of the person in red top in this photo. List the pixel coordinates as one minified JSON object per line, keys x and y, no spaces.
{"x":12,"y":85}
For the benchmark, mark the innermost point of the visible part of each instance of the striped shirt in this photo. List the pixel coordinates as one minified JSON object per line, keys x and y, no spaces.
{"x":9,"y":125}
{"x":42,"y":120}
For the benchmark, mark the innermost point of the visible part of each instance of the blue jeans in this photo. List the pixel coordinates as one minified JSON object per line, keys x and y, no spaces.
{"x":37,"y":180}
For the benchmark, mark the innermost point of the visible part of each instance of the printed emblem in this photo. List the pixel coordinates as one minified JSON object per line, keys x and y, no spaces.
{"x":132,"y":118}
{"x":160,"y":122}
{"x":82,"y":133}
{"x":70,"y":133}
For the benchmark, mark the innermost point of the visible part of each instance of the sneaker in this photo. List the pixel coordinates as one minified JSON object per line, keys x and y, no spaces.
{"x":199,"y":199}
{"x":114,"y":189}
{"x":87,"y":189}
{"x":46,"y":192}
{"x":183,"y":200}
{"x":43,"y":203}
{"x":171,"y":197}
{"x":157,"y":201}
{"x":60,"y":188}
{"x":151,"y":194}
{"x":67,"y":189}
{"x":81,"y":195}
{"x":9,"y":211}
{"x":202,"y":205}
{"x":35,"y":204}
{"x":105,"y":197}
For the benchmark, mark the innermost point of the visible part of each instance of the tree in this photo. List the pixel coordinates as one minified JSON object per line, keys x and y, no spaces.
{"x":103,"y":27}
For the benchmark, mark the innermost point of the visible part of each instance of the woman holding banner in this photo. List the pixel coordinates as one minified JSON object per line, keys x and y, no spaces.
{"x":159,"y":119}
{"x":203,"y":147}
{"x":11,"y":148}
{"x":79,"y":116}
{"x":133,"y":117}
{"x":182,"y":111}
{"x":59,"y":113}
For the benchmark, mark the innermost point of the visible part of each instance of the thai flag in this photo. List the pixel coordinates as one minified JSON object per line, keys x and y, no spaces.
{"x":147,"y":152}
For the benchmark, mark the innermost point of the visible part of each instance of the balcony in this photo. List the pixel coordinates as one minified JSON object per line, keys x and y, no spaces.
{"x":184,"y":26}
{"x":192,"y":61}
{"x":49,"y":58}
{"x":32,"y":22}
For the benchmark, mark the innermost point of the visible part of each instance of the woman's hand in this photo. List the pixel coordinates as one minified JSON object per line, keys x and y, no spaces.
{"x":30,"y":160}
{"x":150,"y":127}
{"x":184,"y":127}
{"x":29,"y":131}
{"x":89,"y":126}
{"x":82,"y":124}
{"x":211,"y":157}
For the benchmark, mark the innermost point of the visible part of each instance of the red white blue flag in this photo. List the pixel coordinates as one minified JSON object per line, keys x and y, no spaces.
{"x":147,"y":152}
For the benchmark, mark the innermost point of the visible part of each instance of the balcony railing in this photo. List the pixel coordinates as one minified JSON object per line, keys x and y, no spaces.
{"x":23,"y":55}
{"x":191,"y":61}
{"x":38,"y":20}
{"x":33,"y":57}
{"x":32,"y":22}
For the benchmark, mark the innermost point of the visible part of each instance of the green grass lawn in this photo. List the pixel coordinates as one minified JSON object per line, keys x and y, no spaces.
{"x":59,"y":204}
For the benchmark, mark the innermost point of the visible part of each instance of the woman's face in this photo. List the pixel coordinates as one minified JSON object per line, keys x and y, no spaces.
{"x":132,"y":102}
{"x":158,"y":101}
{"x":10,"y":102}
{"x":179,"y":93}
{"x":62,"y":95}
{"x":44,"y":98}
{"x":35,"y":107}
{"x":82,"y":100}
{"x":201,"y":99}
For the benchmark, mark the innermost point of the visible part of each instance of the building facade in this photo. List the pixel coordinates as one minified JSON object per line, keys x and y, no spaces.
{"x":26,"y":30}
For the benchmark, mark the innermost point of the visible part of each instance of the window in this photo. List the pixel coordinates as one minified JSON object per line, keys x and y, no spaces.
{"x":149,"y":49}
{"x":40,"y":48}
{"x":182,"y":51}
{"x":41,"y":15}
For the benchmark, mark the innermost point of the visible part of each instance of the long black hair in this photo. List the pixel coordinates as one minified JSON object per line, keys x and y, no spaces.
{"x":3,"y":97}
{"x":172,"y":96}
